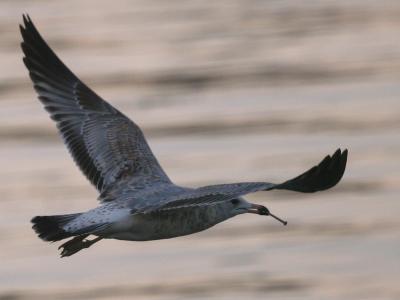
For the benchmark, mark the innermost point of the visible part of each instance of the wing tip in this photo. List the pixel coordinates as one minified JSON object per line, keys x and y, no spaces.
{"x":342,"y":158}
{"x":26,"y":22}
{"x":28,"y":31}
{"x":345,"y":153}
{"x":338,"y":162}
{"x":325,"y":175}
{"x":26,"y":19}
{"x":343,"y":162}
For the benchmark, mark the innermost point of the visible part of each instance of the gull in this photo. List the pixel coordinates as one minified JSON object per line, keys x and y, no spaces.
{"x":138,"y":201}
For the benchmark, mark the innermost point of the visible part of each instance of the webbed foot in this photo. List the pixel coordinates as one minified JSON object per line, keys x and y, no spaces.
{"x":76,"y":244}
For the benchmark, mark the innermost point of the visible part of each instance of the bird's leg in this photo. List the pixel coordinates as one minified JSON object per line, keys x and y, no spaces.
{"x":70,"y":243}
{"x":76,"y":244}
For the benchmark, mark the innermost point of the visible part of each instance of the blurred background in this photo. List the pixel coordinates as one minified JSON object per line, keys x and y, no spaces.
{"x":225,"y":91}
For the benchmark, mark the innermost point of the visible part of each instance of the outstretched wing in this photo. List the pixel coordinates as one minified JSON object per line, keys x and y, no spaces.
{"x":104,"y":143}
{"x":320,"y":177}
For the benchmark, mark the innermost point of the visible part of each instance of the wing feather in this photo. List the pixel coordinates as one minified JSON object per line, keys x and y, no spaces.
{"x":104,"y":143}
{"x":320,"y":177}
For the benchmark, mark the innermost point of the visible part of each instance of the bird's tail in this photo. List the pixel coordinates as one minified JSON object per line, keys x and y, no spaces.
{"x":49,"y":228}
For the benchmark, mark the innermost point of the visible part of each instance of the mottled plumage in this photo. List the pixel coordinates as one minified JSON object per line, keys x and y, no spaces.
{"x":137,"y":199}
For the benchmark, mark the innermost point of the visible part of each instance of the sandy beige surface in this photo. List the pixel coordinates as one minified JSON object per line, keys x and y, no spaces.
{"x":225,"y":91}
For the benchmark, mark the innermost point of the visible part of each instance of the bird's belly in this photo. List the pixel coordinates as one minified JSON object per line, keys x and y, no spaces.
{"x":164,"y":225}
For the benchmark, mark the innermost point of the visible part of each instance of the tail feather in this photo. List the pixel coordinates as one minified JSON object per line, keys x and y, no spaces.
{"x":49,"y":228}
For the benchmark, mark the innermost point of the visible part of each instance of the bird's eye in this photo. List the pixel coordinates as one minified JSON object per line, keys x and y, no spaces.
{"x":235,"y":201}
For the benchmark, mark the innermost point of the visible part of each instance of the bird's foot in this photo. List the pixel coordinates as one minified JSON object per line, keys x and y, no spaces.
{"x":76,"y":244}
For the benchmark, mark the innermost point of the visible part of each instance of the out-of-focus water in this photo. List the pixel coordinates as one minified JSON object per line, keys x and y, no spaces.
{"x":225,"y":91}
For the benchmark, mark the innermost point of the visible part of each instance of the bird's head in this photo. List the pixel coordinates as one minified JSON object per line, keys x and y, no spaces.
{"x":241,"y":206}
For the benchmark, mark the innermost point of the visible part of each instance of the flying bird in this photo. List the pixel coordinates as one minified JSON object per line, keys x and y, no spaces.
{"x":138,"y":201}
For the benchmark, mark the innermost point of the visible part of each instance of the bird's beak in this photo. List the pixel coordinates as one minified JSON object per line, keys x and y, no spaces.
{"x":262,"y":210}
{"x":256,"y":209}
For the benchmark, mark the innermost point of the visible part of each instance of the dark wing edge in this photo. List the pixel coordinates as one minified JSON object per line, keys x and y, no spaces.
{"x":323,"y":176}
{"x":86,"y":121}
{"x":57,"y":88}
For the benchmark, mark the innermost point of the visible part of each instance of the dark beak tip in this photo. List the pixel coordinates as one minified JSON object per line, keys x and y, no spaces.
{"x":263,"y":211}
